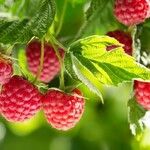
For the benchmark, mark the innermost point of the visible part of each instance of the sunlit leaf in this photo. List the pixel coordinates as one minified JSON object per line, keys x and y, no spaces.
{"x":136,"y":112}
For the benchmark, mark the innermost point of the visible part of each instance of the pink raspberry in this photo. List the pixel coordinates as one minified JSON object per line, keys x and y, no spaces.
{"x":63,"y":111}
{"x":51,"y":65}
{"x":142,"y":93}
{"x":132,"y":12}
{"x":124,"y":38}
{"x":6,"y":70}
{"x":19,"y":100}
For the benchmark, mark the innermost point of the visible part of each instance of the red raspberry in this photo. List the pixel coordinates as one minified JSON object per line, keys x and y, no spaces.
{"x":148,"y":14}
{"x":124,"y":38}
{"x":63,"y":111}
{"x":51,"y":65}
{"x":6,"y":70}
{"x":132,"y":12}
{"x":19,"y":100}
{"x":142,"y":93}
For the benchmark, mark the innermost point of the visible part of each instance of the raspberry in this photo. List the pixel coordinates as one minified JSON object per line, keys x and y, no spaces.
{"x":62,"y":110}
{"x":142,"y":93}
{"x":51,"y":65}
{"x":148,"y":14}
{"x":132,"y":12}
{"x":6,"y":70}
{"x":124,"y":38}
{"x":19,"y":100}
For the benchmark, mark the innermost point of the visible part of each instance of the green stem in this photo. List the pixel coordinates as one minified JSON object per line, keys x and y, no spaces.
{"x":41,"y":61}
{"x":58,"y":43}
{"x":81,"y":30}
{"x":136,"y":45}
{"x":62,"y":17}
{"x":9,"y":50}
{"x":62,"y":82}
{"x":75,"y":85}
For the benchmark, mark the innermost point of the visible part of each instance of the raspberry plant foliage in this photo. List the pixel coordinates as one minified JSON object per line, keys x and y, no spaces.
{"x":86,"y":58}
{"x":22,"y":30}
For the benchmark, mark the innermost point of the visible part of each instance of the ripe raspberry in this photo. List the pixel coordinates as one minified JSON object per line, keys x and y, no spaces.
{"x":148,"y":14}
{"x":51,"y":65}
{"x":142,"y":93}
{"x":19,"y":100}
{"x":124,"y":38}
{"x":6,"y":70}
{"x":132,"y":12}
{"x":63,"y":111}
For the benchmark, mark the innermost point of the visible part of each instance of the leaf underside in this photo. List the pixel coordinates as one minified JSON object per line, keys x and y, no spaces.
{"x":92,"y":64}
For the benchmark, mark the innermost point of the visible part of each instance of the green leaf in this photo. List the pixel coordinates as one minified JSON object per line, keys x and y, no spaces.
{"x":100,"y":75}
{"x":93,"y":45}
{"x":95,"y":19}
{"x":77,"y":69}
{"x":76,"y":1}
{"x":90,"y":62}
{"x":115,"y":66}
{"x":21,"y":31}
{"x":136,"y":112}
{"x":95,"y":8}
{"x":21,"y":8}
{"x":86,"y":77}
{"x":68,"y":66}
{"x":121,"y":67}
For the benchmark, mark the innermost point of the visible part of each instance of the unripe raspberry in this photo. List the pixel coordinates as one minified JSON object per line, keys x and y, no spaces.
{"x":132,"y":12}
{"x":124,"y":38}
{"x":6,"y":70}
{"x":51,"y":65}
{"x":19,"y":100}
{"x":142,"y":93}
{"x":63,"y":111}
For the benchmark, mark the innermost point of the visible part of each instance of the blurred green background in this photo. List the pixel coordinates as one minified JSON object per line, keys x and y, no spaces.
{"x":102,"y":127}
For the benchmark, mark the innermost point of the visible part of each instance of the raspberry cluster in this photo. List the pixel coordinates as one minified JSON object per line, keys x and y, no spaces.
{"x":21,"y":100}
{"x":132,"y":12}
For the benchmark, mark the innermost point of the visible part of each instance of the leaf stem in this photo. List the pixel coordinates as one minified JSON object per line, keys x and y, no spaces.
{"x":62,"y":82}
{"x":62,"y":17}
{"x":136,"y":44}
{"x":58,"y":43}
{"x":81,"y":30}
{"x":41,"y":61}
{"x":9,"y":50}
